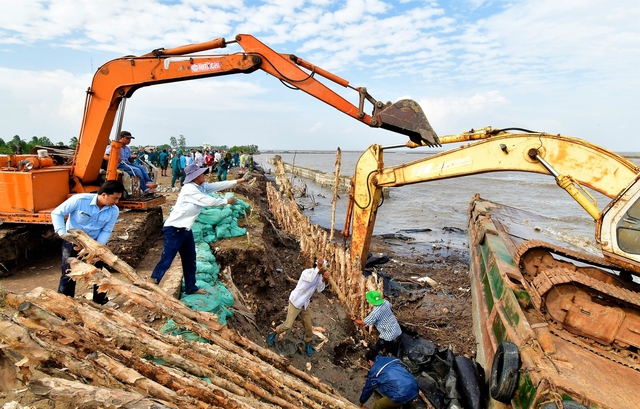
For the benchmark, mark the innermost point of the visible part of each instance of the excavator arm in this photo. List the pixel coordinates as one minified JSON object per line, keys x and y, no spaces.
{"x":121,"y":77}
{"x":573,"y":162}
{"x":34,"y":185}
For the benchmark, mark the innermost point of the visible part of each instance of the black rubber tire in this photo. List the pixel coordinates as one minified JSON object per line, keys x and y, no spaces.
{"x":504,"y":372}
{"x":568,"y":404}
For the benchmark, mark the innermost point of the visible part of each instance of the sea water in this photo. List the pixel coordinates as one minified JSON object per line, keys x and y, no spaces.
{"x":437,"y":205}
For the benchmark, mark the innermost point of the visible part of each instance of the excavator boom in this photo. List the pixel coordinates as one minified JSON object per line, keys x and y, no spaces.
{"x":120,"y":78}
{"x":574,"y":163}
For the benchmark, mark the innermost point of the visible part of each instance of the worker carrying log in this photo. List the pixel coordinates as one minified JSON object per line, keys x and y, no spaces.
{"x":95,"y":214}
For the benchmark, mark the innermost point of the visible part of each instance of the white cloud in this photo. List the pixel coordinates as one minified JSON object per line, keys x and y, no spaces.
{"x":570,"y":65}
{"x":41,"y":103}
{"x":446,"y":113}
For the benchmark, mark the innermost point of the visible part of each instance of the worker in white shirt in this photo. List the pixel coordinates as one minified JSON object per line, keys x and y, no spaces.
{"x":178,"y":237}
{"x":311,"y":281}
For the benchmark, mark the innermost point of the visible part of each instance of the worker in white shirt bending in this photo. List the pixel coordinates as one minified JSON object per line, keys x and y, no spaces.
{"x":311,"y":280}
{"x":178,"y":237}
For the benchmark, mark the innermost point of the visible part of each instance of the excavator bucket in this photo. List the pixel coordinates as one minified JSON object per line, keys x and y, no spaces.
{"x":406,"y":117}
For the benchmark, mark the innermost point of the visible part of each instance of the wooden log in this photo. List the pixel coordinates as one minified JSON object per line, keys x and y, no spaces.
{"x":86,"y":340}
{"x":157,"y":300}
{"x":258,"y":371}
{"x":141,"y":383}
{"x":57,"y":389}
{"x":93,"y":251}
{"x":185,"y":358}
{"x":334,"y":201}
{"x":139,"y":343}
{"x":20,"y":342}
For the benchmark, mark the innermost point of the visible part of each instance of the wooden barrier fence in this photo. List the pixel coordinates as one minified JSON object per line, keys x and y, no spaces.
{"x":347,"y":280}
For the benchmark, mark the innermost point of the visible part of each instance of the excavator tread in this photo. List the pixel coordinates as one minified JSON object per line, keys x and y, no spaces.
{"x":550,"y":277}
{"x":528,"y":245}
{"x":547,"y":278}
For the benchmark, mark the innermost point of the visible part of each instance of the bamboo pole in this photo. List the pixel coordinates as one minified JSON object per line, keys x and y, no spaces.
{"x":336,"y":185}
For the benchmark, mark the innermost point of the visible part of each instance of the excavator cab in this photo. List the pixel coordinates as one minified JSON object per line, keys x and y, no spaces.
{"x":618,"y":229}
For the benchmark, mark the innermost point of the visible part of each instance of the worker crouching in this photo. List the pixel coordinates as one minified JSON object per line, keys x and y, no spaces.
{"x":396,"y":385}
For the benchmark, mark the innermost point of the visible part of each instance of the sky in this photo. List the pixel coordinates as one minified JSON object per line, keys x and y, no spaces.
{"x":567,"y":67}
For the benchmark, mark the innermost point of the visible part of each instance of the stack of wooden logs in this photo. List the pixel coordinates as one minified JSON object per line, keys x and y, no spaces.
{"x":102,"y":357}
{"x":347,"y":280}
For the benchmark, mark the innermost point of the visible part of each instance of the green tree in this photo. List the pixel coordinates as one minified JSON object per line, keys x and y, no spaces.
{"x":40,"y":141}
{"x":73,"y":141}
{"x":182,"y":142}
{"x":19,"y":145}
{"x":173,"y":142}
{"x":245,"y":148}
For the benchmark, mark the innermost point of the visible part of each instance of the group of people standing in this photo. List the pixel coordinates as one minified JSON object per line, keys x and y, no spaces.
{"x":216,"y":160}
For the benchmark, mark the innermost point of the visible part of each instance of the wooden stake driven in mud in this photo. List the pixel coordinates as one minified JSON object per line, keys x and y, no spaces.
{"x":334,"y":202}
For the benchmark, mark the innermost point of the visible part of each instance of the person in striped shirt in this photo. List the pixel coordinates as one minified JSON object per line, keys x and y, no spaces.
{"x":385,"y":322}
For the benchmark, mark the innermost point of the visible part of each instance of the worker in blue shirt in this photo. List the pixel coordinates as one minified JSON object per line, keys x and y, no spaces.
{"x":397,"y":386}
{"x":177,"y":169}
{"x":125,"y":164}
{"x":96,"y":215}
{"x":163,"y":161}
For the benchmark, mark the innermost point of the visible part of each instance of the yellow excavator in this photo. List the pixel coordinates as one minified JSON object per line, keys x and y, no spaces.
{"x":554,"y":324}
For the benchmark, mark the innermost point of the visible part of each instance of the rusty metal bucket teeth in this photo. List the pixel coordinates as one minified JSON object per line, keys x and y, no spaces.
{"x":406,"y":117}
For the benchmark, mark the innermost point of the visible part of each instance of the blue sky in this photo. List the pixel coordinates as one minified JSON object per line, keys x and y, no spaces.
{"x":567,"y":67}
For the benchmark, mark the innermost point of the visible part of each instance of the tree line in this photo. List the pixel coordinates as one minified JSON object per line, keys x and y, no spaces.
{"x":18,"y":145}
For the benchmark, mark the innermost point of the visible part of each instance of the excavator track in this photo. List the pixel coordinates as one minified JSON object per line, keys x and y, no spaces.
{"x":528,"y":245}
{"x":546,"y":277}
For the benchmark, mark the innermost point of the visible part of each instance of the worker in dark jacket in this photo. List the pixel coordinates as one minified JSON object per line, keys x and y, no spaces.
{"x":391,"y":379}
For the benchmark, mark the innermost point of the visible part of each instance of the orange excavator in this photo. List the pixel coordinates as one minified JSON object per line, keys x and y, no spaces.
{"x":33,"y":185}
